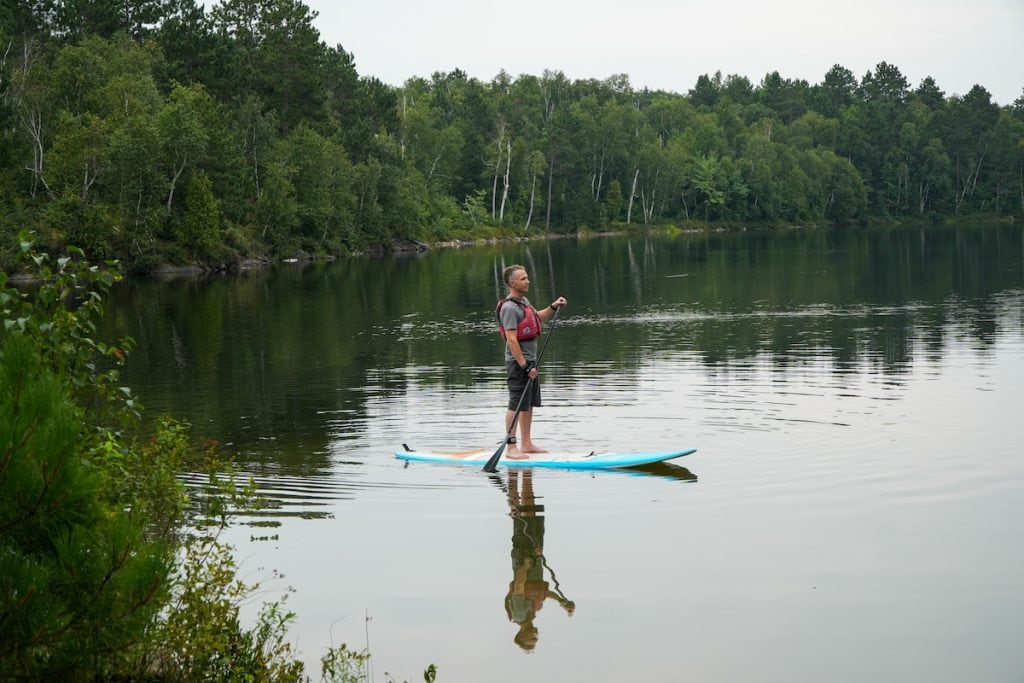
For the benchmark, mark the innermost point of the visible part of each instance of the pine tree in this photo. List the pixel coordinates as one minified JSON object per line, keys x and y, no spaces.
{"x":200,"y":228}
{"x":79,"y":580}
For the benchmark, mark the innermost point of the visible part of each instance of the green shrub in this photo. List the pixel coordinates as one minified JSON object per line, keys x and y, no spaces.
{"x":108,"y":570}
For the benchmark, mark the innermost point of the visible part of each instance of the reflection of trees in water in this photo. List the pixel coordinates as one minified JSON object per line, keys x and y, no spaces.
{"x":529,"y":588}
{"x":294,"y":353}
{"x":865,"y":298}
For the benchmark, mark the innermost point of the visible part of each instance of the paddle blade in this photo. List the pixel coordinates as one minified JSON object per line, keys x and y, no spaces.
{"x":492,"y":464}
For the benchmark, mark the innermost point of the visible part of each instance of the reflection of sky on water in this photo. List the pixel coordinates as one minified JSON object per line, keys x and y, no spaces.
{"x":886,"y":510}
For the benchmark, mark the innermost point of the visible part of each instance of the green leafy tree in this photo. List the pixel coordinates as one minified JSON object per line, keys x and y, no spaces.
{"x":739,"y":90}
{"x":669,"y":115}
{"x":533,"y":168}
{"x":706,"y":91}
{"x":428,"y":142}
{"x":846,"y":197}
{"x":786,"y":97}
{"x":929,"y":94}
{"x":321,"y":174}
{"x":813,"y":130}
{"x":289,"y":60}
{"x":562,"y":149}
{"x":192,"y":49}
{"x":368,"y":178}
{"x":256,"y":130}
{"x":274,"y":53}
{"x":970,"y":122}
{"x":237,"y":24}
{"x":837,"y":91}
{"x":708,"y":179}
{"x":75,"y":19}
{"x":886,"y":84}
{"x":1008,"y":163}
{"x":362,"y":108}
{"x":183,"y":130}
{"x":881,"y":118}
{"x":134,"y":145}
{"x":278,"y":211}
{"x":613,"y":200}
{"x":200,"y":226}
{"x":80,"y":153}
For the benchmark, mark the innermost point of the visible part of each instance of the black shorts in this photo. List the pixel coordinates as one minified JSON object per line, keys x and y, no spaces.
{"x":517,"y":379}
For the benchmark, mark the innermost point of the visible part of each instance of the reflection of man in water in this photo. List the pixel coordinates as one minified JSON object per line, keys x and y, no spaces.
{"x":528,"y":589}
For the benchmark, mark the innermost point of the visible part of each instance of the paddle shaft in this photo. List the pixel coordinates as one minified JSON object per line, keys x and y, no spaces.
{"x":492,"y":464}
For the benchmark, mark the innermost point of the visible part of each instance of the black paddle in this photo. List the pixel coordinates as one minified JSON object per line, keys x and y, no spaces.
{"x":492,"y":464}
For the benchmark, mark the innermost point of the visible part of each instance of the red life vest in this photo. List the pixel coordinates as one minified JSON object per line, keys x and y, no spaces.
{"x":528,"y":328}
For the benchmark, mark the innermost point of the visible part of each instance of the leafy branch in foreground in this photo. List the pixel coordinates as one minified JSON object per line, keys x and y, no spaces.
{"x":97,"y":577}
{"x":82,"y":576}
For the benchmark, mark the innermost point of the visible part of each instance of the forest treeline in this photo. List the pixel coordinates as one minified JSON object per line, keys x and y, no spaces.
{"x":164,"y":131}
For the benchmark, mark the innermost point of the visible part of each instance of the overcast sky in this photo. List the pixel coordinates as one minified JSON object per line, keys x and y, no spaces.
{"x":666,"y":45}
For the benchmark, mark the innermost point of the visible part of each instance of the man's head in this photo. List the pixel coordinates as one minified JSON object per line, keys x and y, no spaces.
{"x":527,"y":636}
{"x":517,"y":280}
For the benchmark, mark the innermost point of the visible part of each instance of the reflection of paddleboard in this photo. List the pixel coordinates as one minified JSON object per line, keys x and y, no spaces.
{"x":569,"y":461}
{"x":664,"y":470}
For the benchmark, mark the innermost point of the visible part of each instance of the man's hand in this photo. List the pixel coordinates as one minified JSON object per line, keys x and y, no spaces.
{"x":558,"y":303}
{"x":531,"y":369}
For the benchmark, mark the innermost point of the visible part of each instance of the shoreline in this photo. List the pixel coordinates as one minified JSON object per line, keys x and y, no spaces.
{"x":405,"y":246}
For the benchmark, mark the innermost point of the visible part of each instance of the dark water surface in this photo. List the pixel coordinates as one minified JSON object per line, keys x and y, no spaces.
{"x":855,"y":510}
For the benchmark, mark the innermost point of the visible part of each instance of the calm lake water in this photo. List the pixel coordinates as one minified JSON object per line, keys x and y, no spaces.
{"x":855,"y":510}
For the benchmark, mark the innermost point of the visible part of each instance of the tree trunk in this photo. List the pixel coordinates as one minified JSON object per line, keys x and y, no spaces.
{"x":977,"y":170}
{"x":497,"y":172}
{"x":92,"y":171}
{"x":647,"y":206}
{"x":174,"y":182}
{"x":508,"y":173}
{"x":255,"y":164}
{"x":529,"y":214}
{"x":30,"y":116}
{"x":138,"y":204}
{"x":632,"y":196}
{"x":433,"y":167}
{"x":494,"y":194}
{"x":401,"y":135}
{"x":32,"y":121}
{"x":551,"y":182}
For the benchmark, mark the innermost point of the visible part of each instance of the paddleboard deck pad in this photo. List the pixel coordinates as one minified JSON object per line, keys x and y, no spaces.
{"x":567,"y":461}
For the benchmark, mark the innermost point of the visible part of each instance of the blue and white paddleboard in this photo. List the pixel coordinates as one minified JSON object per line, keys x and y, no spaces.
{"x":566,"y":461}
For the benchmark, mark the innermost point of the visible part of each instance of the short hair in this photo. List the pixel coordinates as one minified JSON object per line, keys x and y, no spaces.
{"x":506,"y":274}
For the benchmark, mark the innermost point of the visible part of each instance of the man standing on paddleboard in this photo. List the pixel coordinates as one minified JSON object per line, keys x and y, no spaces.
{"x":520,"y":324}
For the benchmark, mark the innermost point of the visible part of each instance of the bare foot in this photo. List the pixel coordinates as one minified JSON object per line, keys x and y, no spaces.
{"x":514,"y":453}
{"x":532,"y":448}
